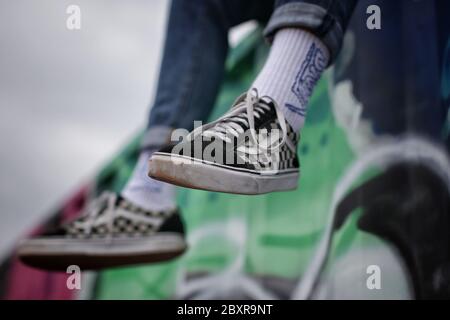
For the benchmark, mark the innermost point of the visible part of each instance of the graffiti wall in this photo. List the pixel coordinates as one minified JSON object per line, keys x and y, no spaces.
{"x":373,"y":194}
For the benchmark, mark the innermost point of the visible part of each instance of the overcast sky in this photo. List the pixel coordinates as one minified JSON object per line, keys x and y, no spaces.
{"x":70,"y":99}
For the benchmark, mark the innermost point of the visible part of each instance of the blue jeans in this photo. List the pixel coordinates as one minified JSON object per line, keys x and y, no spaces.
{"x":400,"y":74}
{"x":197,"y":45}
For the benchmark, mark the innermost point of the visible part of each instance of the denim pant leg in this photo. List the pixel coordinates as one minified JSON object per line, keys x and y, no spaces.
{"x":193,"y":61}
{"x":396,"y":80}
{"x":327,"y":19}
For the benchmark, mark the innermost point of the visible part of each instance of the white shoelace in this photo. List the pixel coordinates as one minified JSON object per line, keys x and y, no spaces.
{"x":101,"y":210}
{"x":254,"y":108}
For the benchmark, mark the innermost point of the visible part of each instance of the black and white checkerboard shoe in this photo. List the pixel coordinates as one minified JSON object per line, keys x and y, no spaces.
{"x":112,"y":233}
{"x":252,"y":149}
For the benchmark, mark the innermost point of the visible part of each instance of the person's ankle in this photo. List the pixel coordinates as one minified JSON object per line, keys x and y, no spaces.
{"x":148,"y":193}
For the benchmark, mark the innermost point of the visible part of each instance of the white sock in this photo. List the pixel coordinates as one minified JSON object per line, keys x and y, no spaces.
{"x":148,"y":193}
{"x":295,"y":63}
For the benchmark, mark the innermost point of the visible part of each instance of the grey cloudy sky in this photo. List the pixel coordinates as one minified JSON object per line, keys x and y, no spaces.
{"x":70,"y":99}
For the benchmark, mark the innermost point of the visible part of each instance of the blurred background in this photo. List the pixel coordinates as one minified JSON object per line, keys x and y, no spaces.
{"x":71,"y":100}
{"x":64,"y":95}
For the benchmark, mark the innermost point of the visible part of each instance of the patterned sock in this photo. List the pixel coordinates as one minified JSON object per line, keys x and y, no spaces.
{"x":146,"y":192}
{"x":295,"y":63}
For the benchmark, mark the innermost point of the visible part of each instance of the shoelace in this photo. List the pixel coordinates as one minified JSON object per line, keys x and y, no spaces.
{"x":254,"y":108}
{"x":101,"y":208}
{"x":103,"y":211}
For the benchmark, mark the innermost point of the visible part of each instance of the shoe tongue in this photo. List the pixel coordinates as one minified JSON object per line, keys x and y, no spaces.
{"x":264,"y":115}
{"x":267,"y":101}
{"x":121,"y":200}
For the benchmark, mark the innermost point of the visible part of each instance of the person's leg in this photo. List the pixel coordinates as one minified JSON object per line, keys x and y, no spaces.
{"x":305,"y":34}
{"x":191,"y":73}
{"x":144,"y":222}
{"x":192,"y":67}
{"x":295,"y":63}
{"x":227,"y":155}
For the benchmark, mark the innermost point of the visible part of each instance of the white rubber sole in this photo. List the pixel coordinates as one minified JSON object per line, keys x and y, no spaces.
{"x":192,"y":173}
{"x":88,"y":254}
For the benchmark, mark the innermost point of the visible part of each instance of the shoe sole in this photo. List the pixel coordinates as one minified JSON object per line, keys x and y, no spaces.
{"x":93,"y":254}
{"x":192,"y":173}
